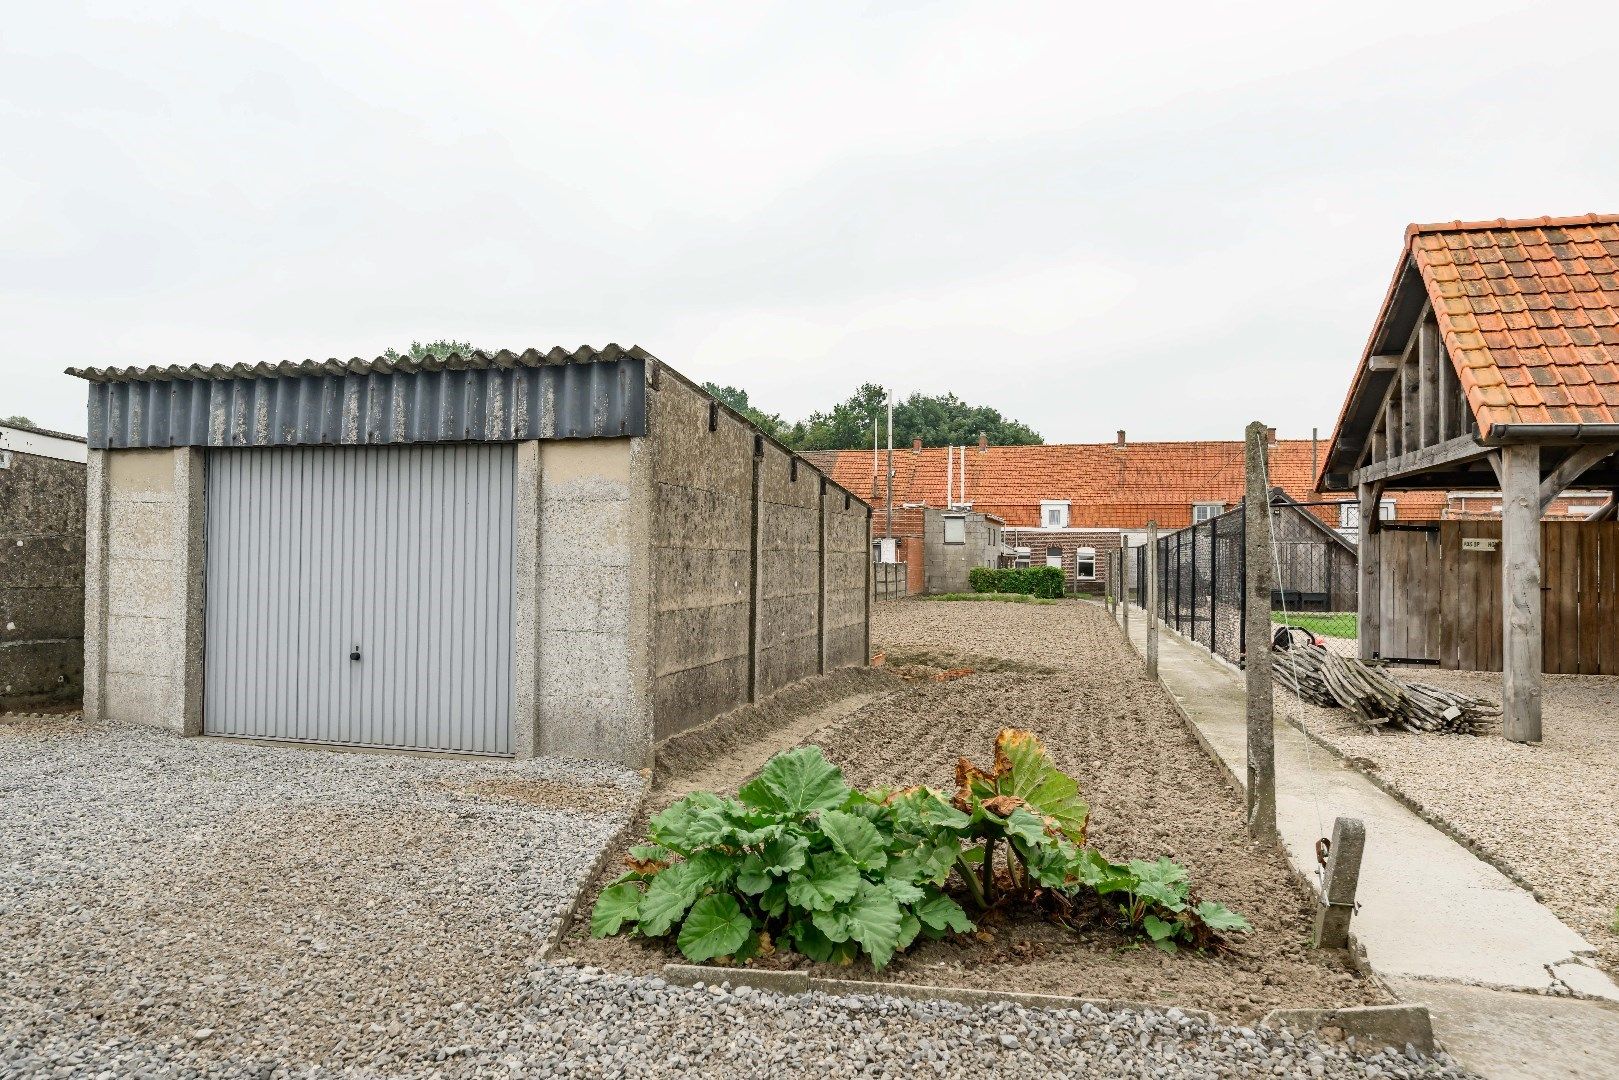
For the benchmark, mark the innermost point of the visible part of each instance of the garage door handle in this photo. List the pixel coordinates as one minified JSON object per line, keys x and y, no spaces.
{"x":355,"y":655}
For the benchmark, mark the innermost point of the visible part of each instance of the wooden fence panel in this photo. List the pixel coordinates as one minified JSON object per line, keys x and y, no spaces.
{"x":1441,"y":602}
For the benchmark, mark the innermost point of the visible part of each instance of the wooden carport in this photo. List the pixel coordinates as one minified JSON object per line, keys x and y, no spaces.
{"x":1493,"y":364}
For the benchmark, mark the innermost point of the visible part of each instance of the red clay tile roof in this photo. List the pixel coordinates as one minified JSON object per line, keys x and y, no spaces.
{"x":1106,"y":485}
{"x":1529,"y":310}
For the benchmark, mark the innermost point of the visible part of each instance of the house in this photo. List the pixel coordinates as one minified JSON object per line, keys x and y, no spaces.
{"x":41,"y":567}
{"x":572,"y":553}
{"x":954,"y":542}
{"x":1492,"y":366}
{"x":1073,"y":503}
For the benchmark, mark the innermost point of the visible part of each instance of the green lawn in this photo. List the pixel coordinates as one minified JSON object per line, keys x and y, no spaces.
{"x":1338,"y":624}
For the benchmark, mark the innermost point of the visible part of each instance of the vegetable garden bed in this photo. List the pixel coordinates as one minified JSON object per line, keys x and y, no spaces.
{"x":1151,"y":793}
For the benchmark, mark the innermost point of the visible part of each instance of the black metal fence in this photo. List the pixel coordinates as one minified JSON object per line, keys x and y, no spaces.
{"x":1202,"y":574}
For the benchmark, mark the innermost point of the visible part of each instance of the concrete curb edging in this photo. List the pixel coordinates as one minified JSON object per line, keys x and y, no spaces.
{"x":565,"y":919}
{"x":798,"y":982}
{"x":1397,"y":1026}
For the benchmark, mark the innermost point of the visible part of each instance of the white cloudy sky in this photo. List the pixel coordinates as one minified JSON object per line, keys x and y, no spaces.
{"x":1172,"y":218}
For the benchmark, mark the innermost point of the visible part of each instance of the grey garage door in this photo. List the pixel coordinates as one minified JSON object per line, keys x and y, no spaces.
{"x":399,"y":556}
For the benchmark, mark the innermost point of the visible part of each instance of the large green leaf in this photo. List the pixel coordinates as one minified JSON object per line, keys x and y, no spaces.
{"x":874,"y":921}
{"x":829,"y":878}
{"x":751,"y":877}
{"x":1026,"y":826}
{"x":711,"y":869}
{"x":797,"y":781}
{"x":1219,"y":918}
{"x":1024,"y":770}
{"x":716,"y":926}
{"x":615,"y":906}
{"x":942,"y":913}
{"x":666,"y":900}
{"x":855,"y":837}
{"x":1162,"y":882}
{"x":784,"y":854}
{"x":691,"y":824}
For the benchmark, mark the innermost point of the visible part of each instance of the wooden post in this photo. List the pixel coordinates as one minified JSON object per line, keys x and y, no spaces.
{"x":1368,"y":571}
{"x":1261,"y":792}
{"x":1337,"y":904}
{"x":1520,"y":593}
{"x":1152,"y":600}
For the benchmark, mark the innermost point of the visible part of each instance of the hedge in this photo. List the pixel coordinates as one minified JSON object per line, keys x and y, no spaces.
{"x":1045,"y":582}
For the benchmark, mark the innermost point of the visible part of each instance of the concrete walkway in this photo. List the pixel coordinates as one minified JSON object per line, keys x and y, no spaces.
{"x":1431,"y":912}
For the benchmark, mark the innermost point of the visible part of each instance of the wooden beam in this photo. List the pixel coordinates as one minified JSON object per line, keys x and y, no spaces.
{"x":1521,"y":646}
{"x":1368,"y":568}
{"x":1569,"y":469}
{"x":1449,"y":452}
{"x":1393,"y":429}
{"x":1494,"y":458}
{"x":1410,"y":405}
{"x":1383,"y":362}
{"x":1430,"y":383}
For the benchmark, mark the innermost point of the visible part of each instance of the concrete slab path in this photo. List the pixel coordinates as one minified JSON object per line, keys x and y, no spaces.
{"x":1431,"y":912}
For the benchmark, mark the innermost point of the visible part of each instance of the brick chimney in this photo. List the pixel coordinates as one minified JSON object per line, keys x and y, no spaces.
{"x":1121,"y":436}
{"x":1270,"y":436}
{"x":916,"y":446}
{"x":983,"y":442}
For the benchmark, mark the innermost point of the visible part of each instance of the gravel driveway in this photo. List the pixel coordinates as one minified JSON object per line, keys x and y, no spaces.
{"x":258,"y":903}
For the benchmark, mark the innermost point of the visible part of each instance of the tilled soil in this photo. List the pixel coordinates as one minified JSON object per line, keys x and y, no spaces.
{"x":1066,"y":673}
{"x":1549,"y":813}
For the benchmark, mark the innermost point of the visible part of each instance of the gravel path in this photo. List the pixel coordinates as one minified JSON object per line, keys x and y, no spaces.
{"x":268,"y":903}
{"x":1550,"y":812}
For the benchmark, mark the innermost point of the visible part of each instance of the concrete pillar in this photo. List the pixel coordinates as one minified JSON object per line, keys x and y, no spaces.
{"x":526,"y":601}
{"x":1261,"y":789}
{"x":95,"y":586}
{"x":191,"y":490}
{"x":820,"y":591}
{"x":1337,"y":903}
{"x":1521,"y":658}
{"x":1152,"y":600}
{"x":755,"y":580}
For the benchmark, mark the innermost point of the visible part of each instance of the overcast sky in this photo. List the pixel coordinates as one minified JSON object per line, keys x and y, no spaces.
{"x":1172,"y":218}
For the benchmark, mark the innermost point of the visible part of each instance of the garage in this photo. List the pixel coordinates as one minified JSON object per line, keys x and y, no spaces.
{"x":361,"y":596}
{"x":569,"y":552}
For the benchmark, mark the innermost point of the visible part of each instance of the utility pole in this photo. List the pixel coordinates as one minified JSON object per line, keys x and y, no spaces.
{"x":1261,"y":792}
{"x":890,"y":526}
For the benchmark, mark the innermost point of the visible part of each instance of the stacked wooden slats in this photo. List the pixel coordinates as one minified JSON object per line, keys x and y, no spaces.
{"x":1373,"y":697}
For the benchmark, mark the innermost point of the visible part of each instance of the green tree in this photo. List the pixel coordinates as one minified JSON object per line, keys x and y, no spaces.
{"x":23,"y":420}
{"x":440,"y":349}
{"x":938,"y":420}
{"x":770,"y":423}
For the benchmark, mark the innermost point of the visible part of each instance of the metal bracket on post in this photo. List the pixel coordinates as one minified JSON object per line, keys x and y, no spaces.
{"x":1340,"y":875}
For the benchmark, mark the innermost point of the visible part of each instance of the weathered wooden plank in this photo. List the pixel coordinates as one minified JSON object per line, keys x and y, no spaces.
{"x":1449,"y":585}
{"x":1607,"y":534}
{"x":1368,"y":570}
{"x":1433,"y":595}
{"x":1430,"y":385}
{"x":1590,"y":598}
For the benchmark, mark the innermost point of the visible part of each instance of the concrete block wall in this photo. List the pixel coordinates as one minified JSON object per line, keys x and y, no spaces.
{"x":593,"y":695}
{"x":848,"y":584}
{"x":41,"y":581}
{"x":143,"y":603}
{"x":702,"y":553}
{"x":789,"y":570}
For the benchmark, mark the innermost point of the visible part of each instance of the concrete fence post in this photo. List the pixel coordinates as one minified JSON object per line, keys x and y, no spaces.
{"x":1152,"y":600}
{"x":1261,"y":793}
{"x":1337,"y":904}
{"x":1124,"y":564}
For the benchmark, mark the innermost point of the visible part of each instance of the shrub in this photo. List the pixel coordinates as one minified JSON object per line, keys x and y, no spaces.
{"x":801,"y":860}
{"x":1043,"y":581}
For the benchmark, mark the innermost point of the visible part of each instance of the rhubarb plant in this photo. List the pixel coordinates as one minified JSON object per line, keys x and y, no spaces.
{"x":801,"y":860}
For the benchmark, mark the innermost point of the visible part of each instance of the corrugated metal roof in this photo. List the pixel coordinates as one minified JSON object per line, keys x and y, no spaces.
{"x":484,"y":397}
{"x":381,"y":365}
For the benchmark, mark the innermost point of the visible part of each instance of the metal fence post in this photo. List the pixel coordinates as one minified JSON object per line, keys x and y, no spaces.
{"x":1124,"y":567}
{"x":1214,"y":585}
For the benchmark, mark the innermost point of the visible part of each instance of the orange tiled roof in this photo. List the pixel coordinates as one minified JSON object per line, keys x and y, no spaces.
{"x":1529,"y":310}
{"x":1106,"y":485}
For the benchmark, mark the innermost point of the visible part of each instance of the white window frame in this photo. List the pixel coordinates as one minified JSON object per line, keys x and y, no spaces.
{"x":1060,"y":506}
{"x":1080,"y":557}
{"x":1059,"y":556}
{"x":1349,"y":514}
{"x":1203,"y":511}
{"x":960,"y":523}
